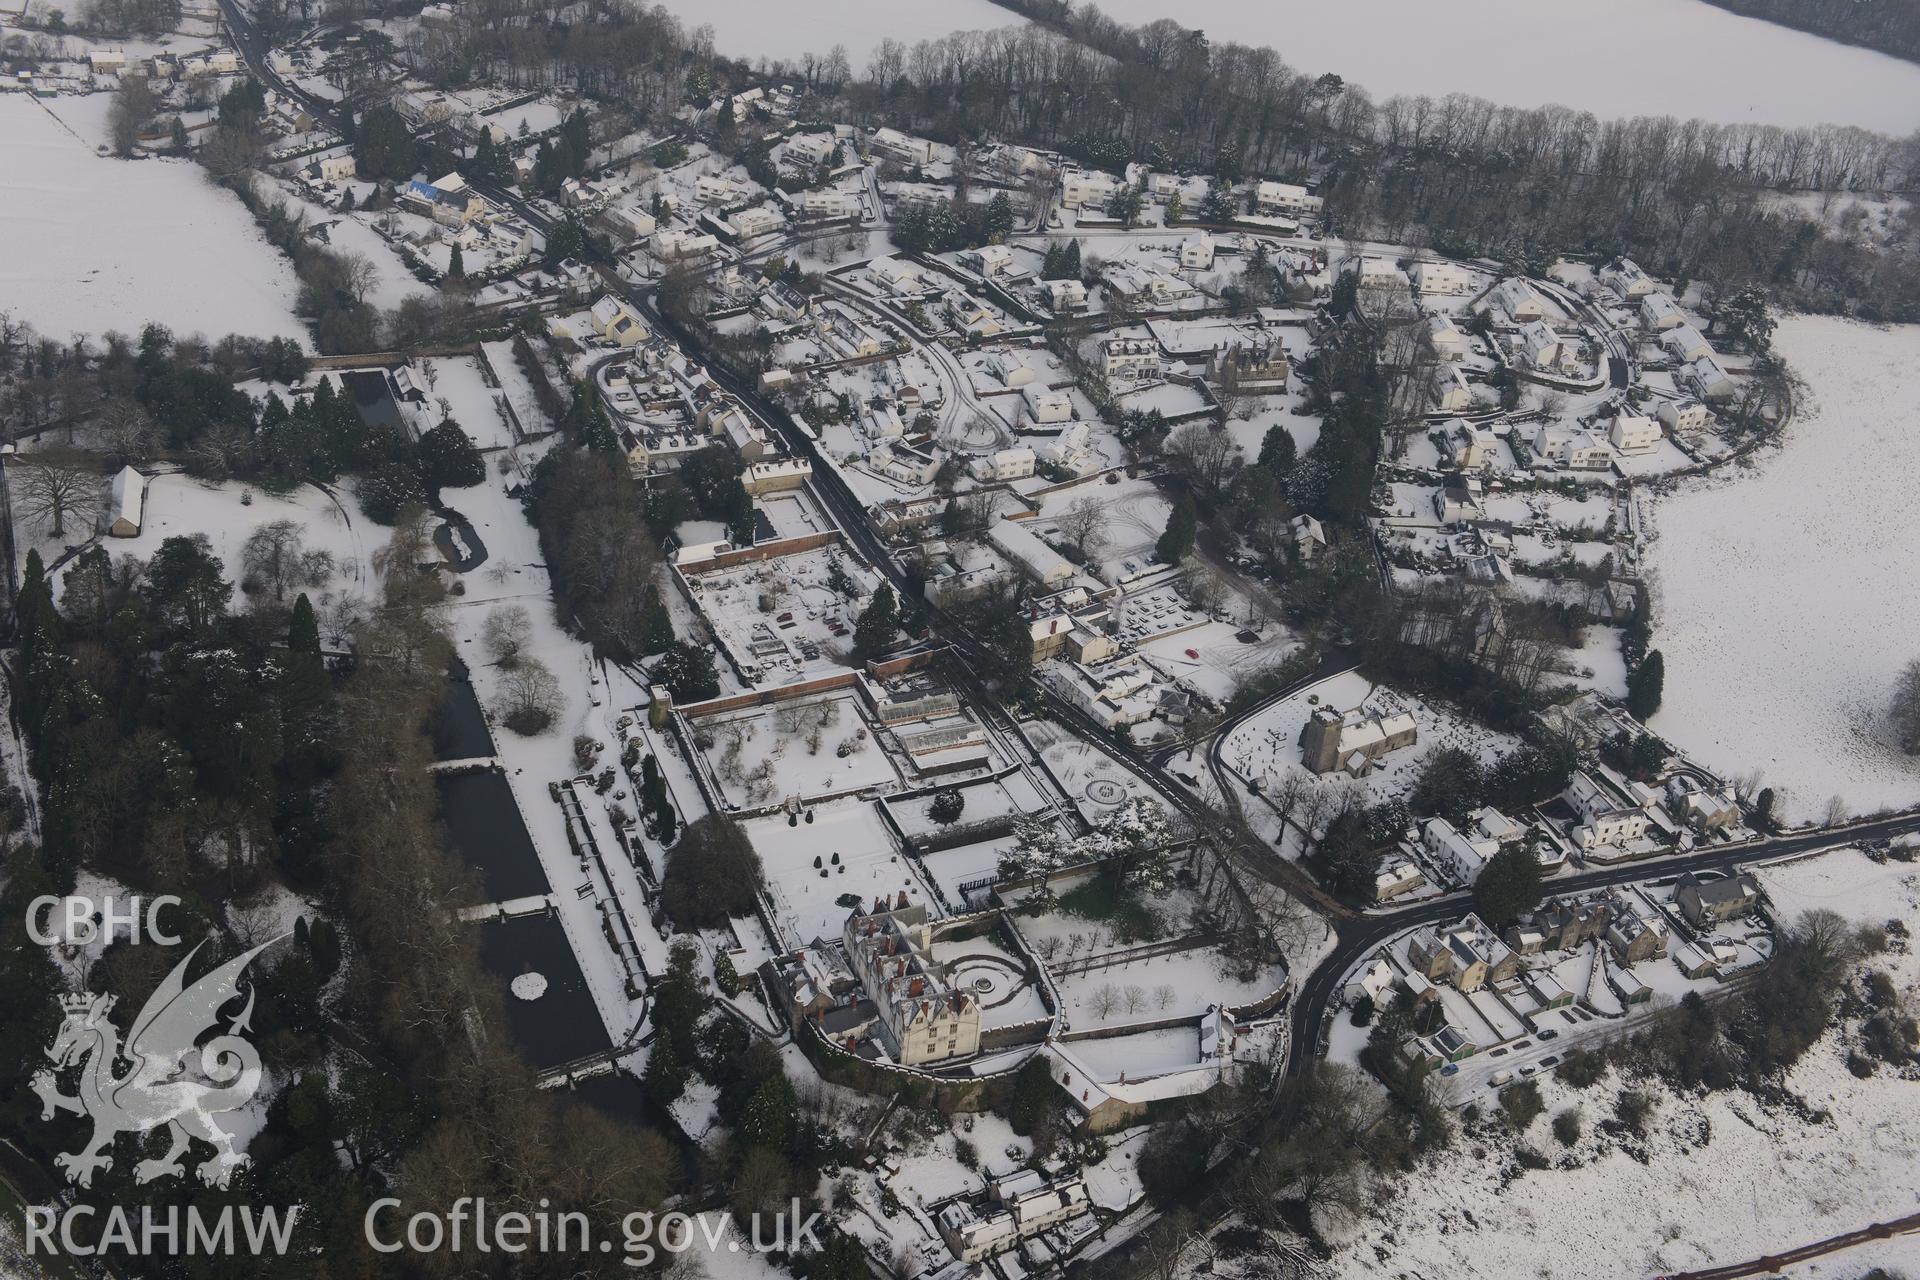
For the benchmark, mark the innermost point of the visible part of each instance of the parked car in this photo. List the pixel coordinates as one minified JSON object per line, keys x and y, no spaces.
{"x":1451,"y":1069}
{"x":1528,"y":1070}
{"x":1503,"y":1079}
{"x":1549,"y":1035}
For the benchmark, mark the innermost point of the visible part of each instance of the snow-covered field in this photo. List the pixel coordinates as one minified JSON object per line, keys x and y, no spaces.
{"x":1725,"y":1178}
{"x":1782,"y":600}
{"x":89,"y":243}
{"x":1624,"y":58}
{"x":753,"y":29}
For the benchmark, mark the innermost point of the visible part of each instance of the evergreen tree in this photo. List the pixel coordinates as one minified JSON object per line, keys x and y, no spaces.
{"x":771,"y":1114}
{"x":456,"y":264}
{"x":1218,"y":206}
{"x":1509,"y":885}
{"x":447,"y":459}
{"x":1033,"y":1097}
{"x":1277,"y":451}
{"x":303,"y":629}
{"x":1645,"y":684}
{"x":656,"y":622}
{"x":177,"y":136}
{"x":384,"y":146}
{"x":998,"y":220}
{"x":39,"y":620}
{"x":688,"y":673}
{"x":1176,"y":542}
{"x":879,"y":623}
{"x":392,"y":486}
{"x":487,"y":160}
{"x":665,"y":1076}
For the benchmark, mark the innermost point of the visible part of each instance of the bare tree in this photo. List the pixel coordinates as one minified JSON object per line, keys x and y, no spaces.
{"x":506,"y":633}
{"x":126,"y":429}
{"x":275,"y":553}
{"x":359,"y":275}
{"x":1206,"y":456}
{"x":51,"y":494}
{"x":1084,"y":526}
{"x":1905,"y":711}
{"x":529,"y":698}
{"x":220,"y":450}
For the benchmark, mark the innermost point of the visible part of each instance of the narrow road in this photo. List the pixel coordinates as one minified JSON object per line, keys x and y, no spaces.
{"x":1361,"y":934}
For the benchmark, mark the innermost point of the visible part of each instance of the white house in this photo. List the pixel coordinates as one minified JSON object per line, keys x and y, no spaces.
{"x":1706,"y":379}
{"x":1540,"y":346}
{"x":1284,"y":197}
{"x":1196,"y":252}
{"x":631,"y":221}
{"x":617,"y":322}
{"x":1004,"y":464}
{"x":338,"y":167}
{"x":990,"y":260}
{"x":757,"y":221}
{"x":1628,"y":280}
{"x":1686,"y":343}
{"x":1079,"y":187}
{"x":1130,"y":359}
{"x":898,"y":276}
{"x":1448,"y":342}
{"x":1519,"y":300}
{"x":1070,"y":449}
{"x":1685,"y":415}
{"x":1660,"y":313}
{"x":1634,"y":433}
{"x":1574,"y":448}
{"x":1451,"y":394}
{"x":1459,"y":856}
{"x":828,"y":204}
{"x":1441,"y":277}
{"x":1065,"y":295}
{"x":712,"y":189}
{"x":1472,"y":447}
{"x":1370,"y":271}
{"x":670,"y":245}
{"x":1036,"y":559}
{"x":1044,"y":406}
{"x":810,"y":149}
{"x":1309,"y":537}
{"x":895,"y":145}
{"x":1612,"y":810}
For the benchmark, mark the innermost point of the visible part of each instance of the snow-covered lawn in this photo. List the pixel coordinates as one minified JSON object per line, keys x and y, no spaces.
{"x":1724,"y":1178}
{"x":1530,"y":55}
{"x":1213,"y":661}
{"x":806,"y":898}
{"x":1782,"y":595}
{"x":821,"y":746}
{"x":89,"y":244}
{"x":228,"y":513}
{"x":1268,"y":745}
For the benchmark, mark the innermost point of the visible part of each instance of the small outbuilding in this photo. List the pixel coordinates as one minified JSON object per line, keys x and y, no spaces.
{"x":129,"y":503}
